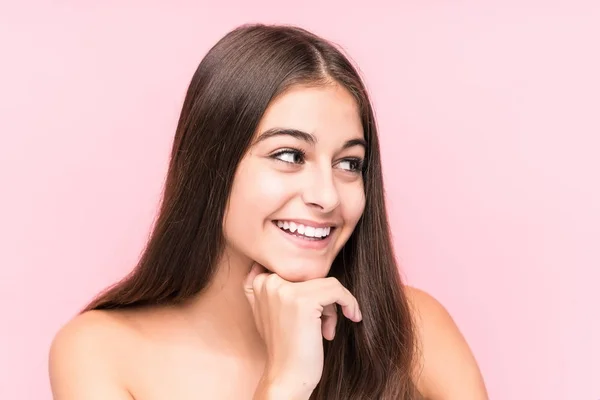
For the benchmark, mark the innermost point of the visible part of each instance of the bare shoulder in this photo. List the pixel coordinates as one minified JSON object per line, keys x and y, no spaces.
{"x":86,"y":357}
{"x":447,"y":368}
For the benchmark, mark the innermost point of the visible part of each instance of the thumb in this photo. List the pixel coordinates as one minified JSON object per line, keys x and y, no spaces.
{"x":255,"y":270}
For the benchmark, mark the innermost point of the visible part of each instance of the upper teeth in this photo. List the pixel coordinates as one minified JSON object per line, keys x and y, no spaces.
{"x":305,"y":230}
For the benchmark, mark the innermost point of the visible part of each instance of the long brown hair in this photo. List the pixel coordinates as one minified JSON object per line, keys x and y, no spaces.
{"x":227,"y":97}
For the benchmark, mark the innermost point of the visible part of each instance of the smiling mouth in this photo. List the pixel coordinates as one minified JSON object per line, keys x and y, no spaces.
{"x":304,"y":231}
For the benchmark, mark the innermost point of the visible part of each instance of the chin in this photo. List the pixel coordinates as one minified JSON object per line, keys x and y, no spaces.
{"x":298,"y":270}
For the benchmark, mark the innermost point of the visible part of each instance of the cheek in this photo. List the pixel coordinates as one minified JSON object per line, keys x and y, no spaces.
{"x":261,"y":191}
{"x":256,"y":194}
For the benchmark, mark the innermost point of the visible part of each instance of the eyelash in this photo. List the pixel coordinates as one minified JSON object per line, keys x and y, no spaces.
{"x":358,"y":162}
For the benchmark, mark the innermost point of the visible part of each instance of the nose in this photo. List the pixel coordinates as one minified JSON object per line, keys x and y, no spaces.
{"x":321,"y":192}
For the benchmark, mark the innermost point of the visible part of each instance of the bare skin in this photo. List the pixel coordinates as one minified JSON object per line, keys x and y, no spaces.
{"x":183,"y":353}
{"x":213,"y":346}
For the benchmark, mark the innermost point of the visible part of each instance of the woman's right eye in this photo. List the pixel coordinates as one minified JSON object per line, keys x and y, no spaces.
{"x":290,"y":156}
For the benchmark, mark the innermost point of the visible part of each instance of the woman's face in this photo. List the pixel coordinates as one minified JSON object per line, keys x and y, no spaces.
{"x":298,"y":193}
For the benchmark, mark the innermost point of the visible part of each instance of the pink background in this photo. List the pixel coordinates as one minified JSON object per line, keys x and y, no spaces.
{"x":490,"y":122}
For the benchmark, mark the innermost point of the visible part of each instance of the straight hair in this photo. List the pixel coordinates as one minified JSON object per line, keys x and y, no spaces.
{"x":229,"y":92}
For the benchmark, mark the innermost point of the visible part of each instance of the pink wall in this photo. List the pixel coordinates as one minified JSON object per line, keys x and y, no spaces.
{"x":490,"y":119}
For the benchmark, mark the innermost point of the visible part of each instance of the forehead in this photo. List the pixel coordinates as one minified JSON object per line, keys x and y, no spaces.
{"x":325,"y":111}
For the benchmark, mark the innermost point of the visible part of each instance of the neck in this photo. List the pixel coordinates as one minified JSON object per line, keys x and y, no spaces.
{"x":223,"y":311}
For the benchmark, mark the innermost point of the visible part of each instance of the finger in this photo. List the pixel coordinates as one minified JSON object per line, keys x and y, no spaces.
{"x":332,"y":291}
{"x":329,"y":321}
{"x":254,"y":272}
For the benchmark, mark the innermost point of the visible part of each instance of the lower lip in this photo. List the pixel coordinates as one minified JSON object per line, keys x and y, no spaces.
{"x":306,"y":243}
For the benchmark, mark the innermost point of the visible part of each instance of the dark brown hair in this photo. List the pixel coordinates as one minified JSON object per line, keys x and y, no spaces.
{"x":227,"y":97}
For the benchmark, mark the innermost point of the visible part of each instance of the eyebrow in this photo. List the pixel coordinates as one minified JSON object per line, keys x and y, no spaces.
{"x":305,"y":137}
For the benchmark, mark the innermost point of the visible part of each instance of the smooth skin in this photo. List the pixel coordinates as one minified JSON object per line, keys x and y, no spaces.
{"x":239,"y":338}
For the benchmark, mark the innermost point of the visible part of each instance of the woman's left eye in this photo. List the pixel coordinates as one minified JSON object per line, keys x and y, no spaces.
{"x":351,"y":164}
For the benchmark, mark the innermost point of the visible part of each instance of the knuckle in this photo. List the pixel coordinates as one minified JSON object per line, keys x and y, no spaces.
{"x":333,"y":281}
{"x":349,"y":293}
{"x":272,"y":283}
{"x":257,"y":283}
{"x":286,"y":293}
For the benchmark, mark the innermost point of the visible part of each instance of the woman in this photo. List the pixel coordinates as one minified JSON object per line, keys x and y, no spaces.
{"x":272,"y":236}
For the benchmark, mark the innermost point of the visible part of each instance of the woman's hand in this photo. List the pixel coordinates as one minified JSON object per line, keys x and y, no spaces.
{"x":292,"y":318}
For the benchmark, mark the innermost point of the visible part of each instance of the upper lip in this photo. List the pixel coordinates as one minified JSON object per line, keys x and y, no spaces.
{"x":306,"y":222}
